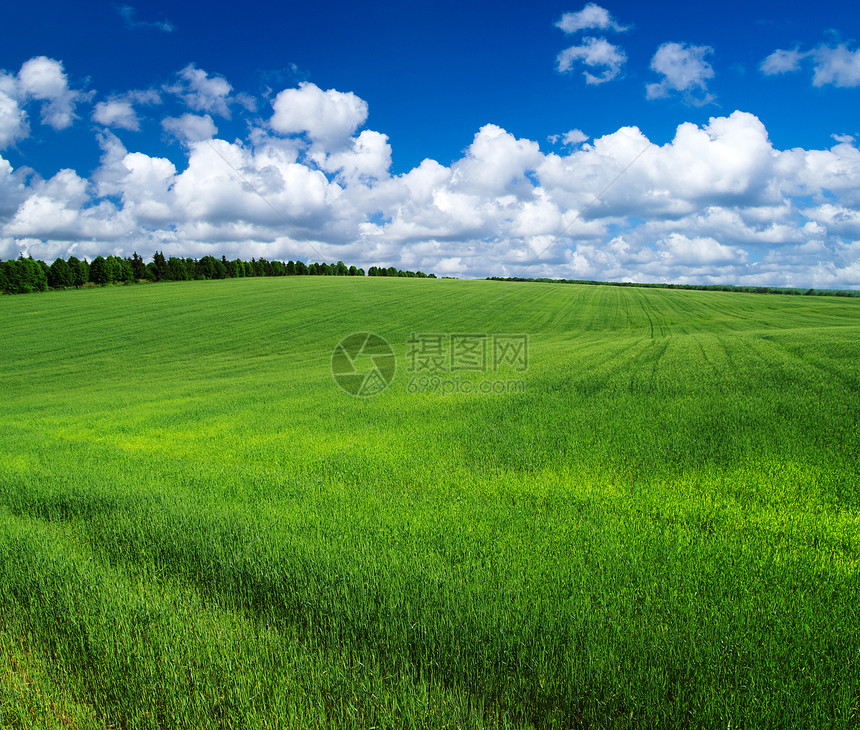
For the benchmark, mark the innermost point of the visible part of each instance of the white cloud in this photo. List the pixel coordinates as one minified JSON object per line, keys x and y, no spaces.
{"x":227,"y":182}
{"x":41,"y":79}
{"x":681,"y":249}
{"x":367,"y":159}
{"x":44,"y":79}
{"x":591,"y":16}
{"x":119,"y":114}
{"x":202,"y":92}
{"x":329,"y":118}
{"x":13,"y":118}
{"x":190,"y":128}
{"x":596,"y":53}
{"x":684,"y":69}
{"x":821,"y":174}
{"x":496,"y":163}
{"x":142,"y":183}
{"x":832,"y":65}
{"x":60,"y":209}
{"x":146,"y":189}
{"x":780,"y":62}
{"x":119,"y":110}
{"x":12,"y":191}
{"x":570,"y":139}
{"x":717,"y":203}
{"x":837,"y":66}
{"x":836,"y":219}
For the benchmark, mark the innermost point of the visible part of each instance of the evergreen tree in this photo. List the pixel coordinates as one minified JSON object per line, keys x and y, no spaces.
{"x":31,"y":275}
{"x":206,"y":268}
{"x":26,"y":275}
{"x":80,"y":270}
{"x":115,"y":269}
{"x":126,"y":272}
{"x":45,"y":269}
{"x":99,"y":273}
{"x":14,"y":278}
{"x":60,"y":275}
{"x":138,"y":268}
{"x":176,"y":269}
{"x":160,"y":266}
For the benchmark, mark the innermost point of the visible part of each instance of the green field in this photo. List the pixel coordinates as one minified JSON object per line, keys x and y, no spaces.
{"x":199,"y":528}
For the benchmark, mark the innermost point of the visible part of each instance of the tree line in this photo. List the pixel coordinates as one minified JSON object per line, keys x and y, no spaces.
{"x":694,"y":287}
{"x":23,"y":275}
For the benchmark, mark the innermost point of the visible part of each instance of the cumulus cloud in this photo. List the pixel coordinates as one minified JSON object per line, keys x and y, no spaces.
{"x":831,"y":65}
{"x":60,"y":209}
{"x":13,"y":118}
{"x":12,"y":190}
{"x":595,"y":53}
{"x":116,"y":114}
{"x":329,"y":118}
{"x":718,"y":203}
{"x":780,"y":62}
{"x":143,"y":185}
{"x":837,"y":66}
{"x":681,"y":249}
{"x":202,"y":92}
{"x":44,"y":79}
{"x":684,"y":69}
{"x":497,"y":163}
{"x":820,"y":174}
{"x":41,"y":79}
{"x":119,"y":110}
{"x":569,"y":139}
{"x":190,"y":128}
{"x":366,"y":160}
{"x":838,"y":219}
{"x":592,"y":16}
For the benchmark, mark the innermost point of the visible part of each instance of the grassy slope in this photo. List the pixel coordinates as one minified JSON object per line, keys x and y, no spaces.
{"x":198,"y":526}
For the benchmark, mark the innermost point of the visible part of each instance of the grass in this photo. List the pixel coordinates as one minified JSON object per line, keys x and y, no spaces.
{"x":198,"y":528}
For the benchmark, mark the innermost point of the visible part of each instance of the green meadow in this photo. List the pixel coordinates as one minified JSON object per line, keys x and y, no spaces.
{"x":658,"y":527}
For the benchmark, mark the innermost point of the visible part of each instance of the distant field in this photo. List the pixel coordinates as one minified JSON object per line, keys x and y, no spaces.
{"x":199,"y":528}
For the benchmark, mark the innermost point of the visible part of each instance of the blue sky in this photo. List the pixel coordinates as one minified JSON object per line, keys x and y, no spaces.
{"x":465,"y":138}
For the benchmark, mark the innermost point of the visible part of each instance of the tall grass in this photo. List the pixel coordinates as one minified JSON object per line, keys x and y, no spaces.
{"x":199,"y":528}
